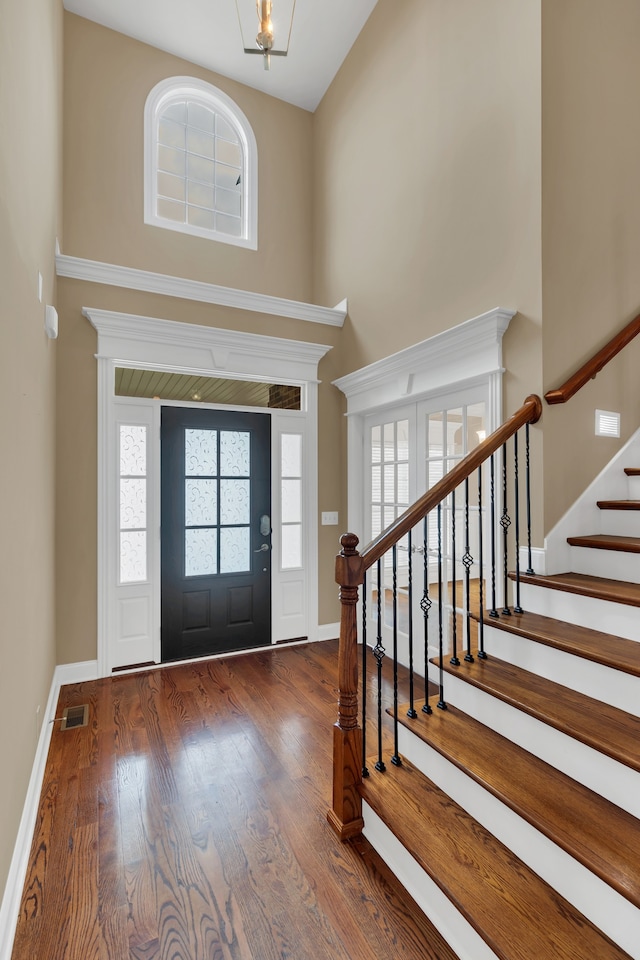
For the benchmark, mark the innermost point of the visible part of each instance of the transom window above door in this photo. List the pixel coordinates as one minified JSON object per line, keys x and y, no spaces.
{"x":200,"y":163}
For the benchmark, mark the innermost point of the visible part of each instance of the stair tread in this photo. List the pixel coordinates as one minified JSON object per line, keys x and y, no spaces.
{"x":632,"y":471}
{"x":607,"y":729}
{"x":562,"y":809}
{"x":498,"y":894}
{"x":619,"y":591}
{"x":604,"y":648}
{"x":618,"y":504}
{"x":605,"y":541}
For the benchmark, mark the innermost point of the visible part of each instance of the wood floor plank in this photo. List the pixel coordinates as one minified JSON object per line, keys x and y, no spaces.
{"x":197,"y":799}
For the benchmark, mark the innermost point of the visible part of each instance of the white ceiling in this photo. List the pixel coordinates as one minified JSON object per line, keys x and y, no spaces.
{"x":207,"y":32}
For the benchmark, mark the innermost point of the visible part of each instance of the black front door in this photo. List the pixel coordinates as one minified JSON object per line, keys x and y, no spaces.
{"x":216,"y":531}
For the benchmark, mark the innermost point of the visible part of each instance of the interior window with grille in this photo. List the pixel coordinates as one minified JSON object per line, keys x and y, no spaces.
{"x":200,"y":163}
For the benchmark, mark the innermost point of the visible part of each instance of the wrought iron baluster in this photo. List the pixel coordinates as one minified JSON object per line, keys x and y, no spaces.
{"x":454,"y":661}
{"x":441,"y":701}
{"x":395,"y":759}
{"x":481,"y":652}
{"x":530,"y":569}
{"x":467,"y":560}
{"x":505,"y":523}
{"x":365,"y":770}
{"x":378,"y":653}
{"x":493,"y":612}
{"x":411,"y":712}
{"x":516,"y":507}
{"x":425,"y":606}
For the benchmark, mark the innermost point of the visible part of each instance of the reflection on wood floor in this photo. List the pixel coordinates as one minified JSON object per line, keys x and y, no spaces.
{"x":188,"y":822}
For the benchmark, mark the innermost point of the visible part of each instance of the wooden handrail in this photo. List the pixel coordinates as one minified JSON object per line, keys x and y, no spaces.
{"x":346,"y":814}
{"x":593,"y":366}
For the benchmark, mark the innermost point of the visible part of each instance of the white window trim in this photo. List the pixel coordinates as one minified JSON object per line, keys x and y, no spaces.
{"x":150,"y":343}
{"x":174,"y":87}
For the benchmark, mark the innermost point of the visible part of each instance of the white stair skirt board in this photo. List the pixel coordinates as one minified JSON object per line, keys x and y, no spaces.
{"x":593,"y":679}
{"x":598,"y":772}
{"x":619,"y":619}
{"x":612,"y":913}
{"x":613,"y":564}
{"x":456,"y":930}
{"x":583,"y":517}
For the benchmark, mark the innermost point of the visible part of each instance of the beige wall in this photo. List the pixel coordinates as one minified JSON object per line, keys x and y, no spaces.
{"x":591,"y":228}
{"x":107,"y":80}
{"x":30,"y":181}
{"x":427,"y":207}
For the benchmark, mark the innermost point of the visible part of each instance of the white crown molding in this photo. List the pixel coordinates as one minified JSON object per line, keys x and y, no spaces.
{"x":463,"y":353}
{"x":95,"y":271}
{"x":150,"y":341}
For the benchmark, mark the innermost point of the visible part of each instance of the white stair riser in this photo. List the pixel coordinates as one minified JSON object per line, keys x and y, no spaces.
{"x":633,"y":488}
{"x":606,"y":908}
{"x":612,"y":564}
{"x":456,"y":930}
{"x":600,"y":773}
{"x":619,"y":689}
{"x":620,"y":523}
{"x":618,"y":619}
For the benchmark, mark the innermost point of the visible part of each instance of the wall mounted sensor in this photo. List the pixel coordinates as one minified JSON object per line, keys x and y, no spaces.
{"x":51,"y":321}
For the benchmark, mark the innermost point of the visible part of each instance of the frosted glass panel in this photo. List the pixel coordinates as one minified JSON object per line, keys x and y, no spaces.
{"x":200,"y":453}
{"x":235,"y":550}
{"x":403,"y":440}
{"x":235,"y":453}
{"x":200,"y":503}
{"x":133,"y":451}
{"x":133,"y":556}
{"x":291,"y":501}
{"x":200,"y":553}
{"x":291,"y":546}
{"x":234,"y":501}
{"x":291,"y":455}
{"x":133,"y":503}
{"x":389,"y":441}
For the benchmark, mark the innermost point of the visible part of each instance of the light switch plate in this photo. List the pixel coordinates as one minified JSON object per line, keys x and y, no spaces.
{"x":329,"y":518}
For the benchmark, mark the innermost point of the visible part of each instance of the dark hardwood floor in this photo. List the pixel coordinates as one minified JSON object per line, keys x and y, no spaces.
{"x":188,"y":822}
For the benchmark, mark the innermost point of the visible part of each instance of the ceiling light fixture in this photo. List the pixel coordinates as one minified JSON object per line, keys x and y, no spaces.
{"x":265,"y":38}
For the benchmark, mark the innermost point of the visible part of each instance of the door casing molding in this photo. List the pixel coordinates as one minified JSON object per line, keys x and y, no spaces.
{"x":151,"y":343}
{"x":467,"y":355}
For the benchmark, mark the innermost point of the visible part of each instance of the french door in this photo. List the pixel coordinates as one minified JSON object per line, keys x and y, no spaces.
{"x":407,"y":449}
{"x":216,"y":531}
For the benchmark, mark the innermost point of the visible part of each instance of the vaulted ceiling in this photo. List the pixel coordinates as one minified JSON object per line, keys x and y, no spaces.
{"x":209,"y":33}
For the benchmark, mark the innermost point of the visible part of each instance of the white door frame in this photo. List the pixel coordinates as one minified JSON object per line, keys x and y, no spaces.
{"x":150,"y":343}
{"x":467,"y":355}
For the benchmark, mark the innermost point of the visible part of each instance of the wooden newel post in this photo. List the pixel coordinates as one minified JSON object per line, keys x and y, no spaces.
{"x":346,"y":815}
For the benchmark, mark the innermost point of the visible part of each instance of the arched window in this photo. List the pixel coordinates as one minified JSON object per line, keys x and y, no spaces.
{"x":201,"y":172}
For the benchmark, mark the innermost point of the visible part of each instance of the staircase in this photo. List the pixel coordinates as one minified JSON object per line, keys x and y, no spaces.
{"x":514,"y":817}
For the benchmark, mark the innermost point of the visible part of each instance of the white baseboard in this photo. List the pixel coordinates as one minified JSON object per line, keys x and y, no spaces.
{"x":328,"y":631}
{"x":538,"y":560}
{"x":63,"y":674}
